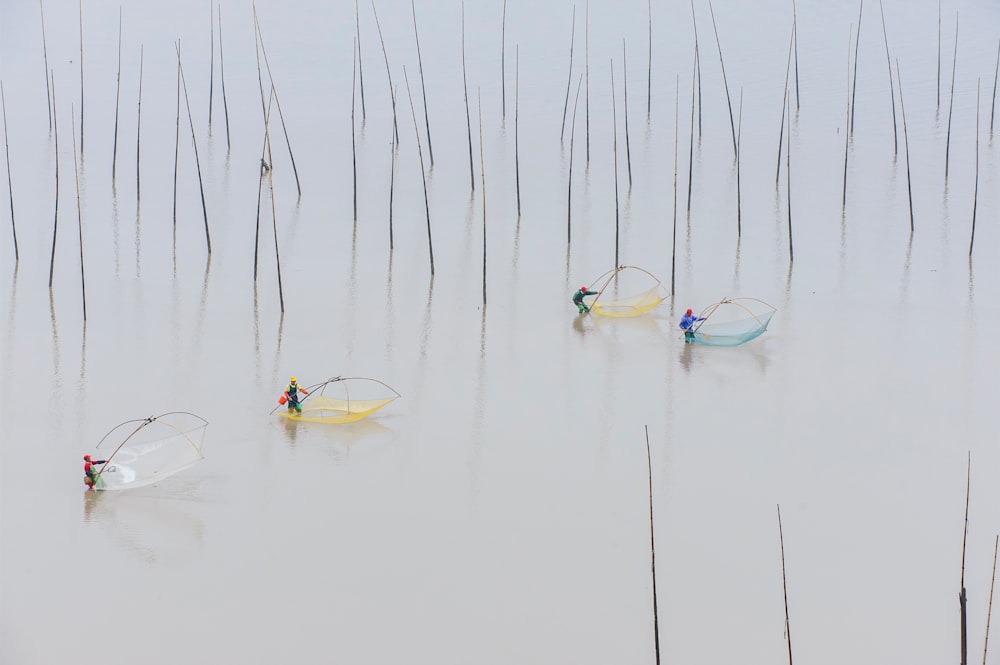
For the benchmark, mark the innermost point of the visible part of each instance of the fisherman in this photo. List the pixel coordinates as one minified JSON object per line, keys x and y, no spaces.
{"x":291,"y":396}
{"x":687,"y":323}
{"x":578,"y":299}
{"x":90,"y":472}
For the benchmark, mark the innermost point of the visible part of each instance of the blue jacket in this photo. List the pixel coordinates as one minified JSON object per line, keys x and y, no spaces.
{"x":689,"y":320}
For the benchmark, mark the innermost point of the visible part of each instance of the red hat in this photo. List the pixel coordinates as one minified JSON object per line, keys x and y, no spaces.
{"x":583,"y":288}
{"x":690,"y":311}
{"x":86,"y":457}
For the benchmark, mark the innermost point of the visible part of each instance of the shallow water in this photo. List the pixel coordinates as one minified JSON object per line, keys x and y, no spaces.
{"x":498,"y":512}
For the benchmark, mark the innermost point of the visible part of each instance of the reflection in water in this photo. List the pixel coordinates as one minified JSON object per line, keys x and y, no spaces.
{"x":904,"y":286}
{"x":338,"y":440}
{"x":389,"y":309}
{"x":138,"y":241}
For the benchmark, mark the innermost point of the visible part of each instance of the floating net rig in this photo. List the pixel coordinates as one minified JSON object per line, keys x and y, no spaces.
{"x":145,"y":451}
{"x":630,"y":306}
{"x":731,"y":322}
{"x":357,"y":401}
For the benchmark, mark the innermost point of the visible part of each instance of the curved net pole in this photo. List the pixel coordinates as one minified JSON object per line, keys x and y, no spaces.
{"x":610,"y":274}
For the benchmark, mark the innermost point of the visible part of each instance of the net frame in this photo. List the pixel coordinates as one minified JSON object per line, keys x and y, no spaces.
{"x":346,"y":409}
{"x":719,"y":335}
{"x":626,"y":307}
{"x":162,"y":419}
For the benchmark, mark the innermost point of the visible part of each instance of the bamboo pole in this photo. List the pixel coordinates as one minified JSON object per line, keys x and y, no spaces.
{"x":211,"y":59}
{"x":906,"y":144}
{"x":79,"y":218}
{"x":482,"y":173}
{"x":569,"y":75}
{"x":673,"y":247}
{"x":138,"y":128}
{"x":962,"y":597}
{"x":55,"y":219}
{"x":423,"y":87}
{"x":45,"y":54}
{"x":392,"y":89}
{"x":847,"y":122}
{"x":468,"y":121}
{"x":503,"y":63}
{"x":784,"y":586}
{"x":274,"y":217}
{"x":517,"y":160}
{"x":938,"y":59}
{"x":114,"y":150}
{"x":361,"y":69}
{"x":10,"y":187}
{"x":423,"y":173}
{"x":697,"y":63}
{"x":795,"y":35}
{"x":194,"y":141}
{"x":354,"y":148}
{"x":788,"y":186}
{"x":628,"y":149}
{"x":569,"y":180}
{"x":781,"y":131}
{"x":975,"y":191}
{"x":81,"y":81}
{"x":729,"y":102}
{"x":652,"y":551}
{"x":993,"y":104}
{"x":649,"y":72}
{"x":989,"y":607}
{"x":739,"y":198}
{"x":177,"y":141}
{"x":614,"y":151}
{"x":951,"y":104}
{"x":892,"y":92}
{"x":277,"y":100}
{"x":265,"y":151}
{"x":222,"y":76}
{"x":392,"y":183}
{"x":694,"y":73}
{"x":857,"y":43}
{"x":586,"y":62}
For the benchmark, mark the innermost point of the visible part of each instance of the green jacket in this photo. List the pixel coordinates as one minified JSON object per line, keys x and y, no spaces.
{"x":578,"y":296}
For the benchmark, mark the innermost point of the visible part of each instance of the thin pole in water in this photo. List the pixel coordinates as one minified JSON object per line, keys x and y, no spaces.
{"x":274,"y":217}
{"x":673,"y":248}
{"x":951,"y":103}
{"x":45,"y":54}
{"x":79,"y":219}
{"x":847,"y":122}
{"x":114,"y":150}
{"x":586,"y":60}
{"x":55,"y":219}
{"x":385,"y":55}
{"x":482,"y":173}
{"x":81,"y":82}
{"x":697,"y":64}
{"x":10,"y":187}
{"x":423,"y":173}
{"x":649,"y":72}
{"x":939,"y":58}
{"x":277,"y":101}
{"x":788,"y":182}
{"x":354,"y":149}
{"x":614,"y":151}
{"x":975,"y":191}
{"x":652,"y":551}
{"x":177,"y":144}
{"x":993,"y":104}
{"x":739,"y":199}
{"x":781,"y":131}
{"x":569,"y":180}
{"x":211,"y":59}
{"x":906,"y":143}
{"x":138,"y":127}
{"x":265,"y":151}
{"x":628,"y":150}
{"x":361,"y":69}
{"x":392,"y":184}
{"x":468,"y":120}
{"x":857,"y":43}
{"x":423,"y":87}
{"x":194,"y":141}
{"x":503,"y":63}
{"x":962,"y":598}
{"x":517,"y":160}
{"x":795,"y":36}
{"x":892,"y":92}
{"x":732,"y":124}
{"x":694,"y":72}
{"x":784,"y":587}
{"x":569,"y":75}
{"x":989,"y":607}
{"x":222,"y":74}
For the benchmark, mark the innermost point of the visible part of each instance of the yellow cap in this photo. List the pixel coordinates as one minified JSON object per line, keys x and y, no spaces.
{"x":292,"y":379}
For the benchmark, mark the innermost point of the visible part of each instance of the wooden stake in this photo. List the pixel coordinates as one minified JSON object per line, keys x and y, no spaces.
{"x":795,"y":35}
{"x":114,"y":151}
{"x":975,"y":194}
{"x":482,"y":173}
{"x":784,"y":586}
{"x":739,"y":199}
{"x":194,"y":141}
{"x":10,"y":187}
{"x":517,"y":160}
{"x":274,"y":217}
{"x":781,"y":131}
{"x":222,"y":74}
{"x":569,"y":75}
{"x":857,"y":43}
{"x":81,"y":82}
{"x":847,"y":122}
{"x":423,"y":176}
{"x":503,"y":62}
{"x":277,"y":100}
{"x":569,"y":181}
{"x":586,"y":61}
{"x":892,"y":92}
{"x":177,"y":145}
{"x":962,"y":598}
{"x":614,"y":151}
{"x":361,"y":69}
{"x":468,"y":121}
{"x":265,"y":152}
{"x":628,"y":149}
{"x":55,"y":219}
{"x":385,"y":55}
{"x":939,"y":58}
{"x":649,"y":73}
{"x":729,"y":102}
{"x":354,"y":149}
{"x":694,"y":73}
{"x":138,"y":127}
{"x":951,"y":104}
{"x":423,"y":87}
{"x":989,"y":607}
{"x":697,"y":64}
{"x":906,"y":144}
{"x":79,"y":218}
{"x":788,"y":185}
{"x":993,"y":104}
{"x":392,"y":183}
{"x":45,"y":54}
{"x":673,"y":247}
{"x":652,"y":551}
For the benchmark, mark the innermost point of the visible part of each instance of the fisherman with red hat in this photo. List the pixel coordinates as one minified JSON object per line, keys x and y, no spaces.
{"x":687,"y":323}
{"x":90,"y":472}
{"x":578,"y":299}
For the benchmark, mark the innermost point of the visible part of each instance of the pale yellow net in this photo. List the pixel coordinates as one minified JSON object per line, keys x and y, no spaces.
{"x":323,"y":409}
{"x":632,"y":306}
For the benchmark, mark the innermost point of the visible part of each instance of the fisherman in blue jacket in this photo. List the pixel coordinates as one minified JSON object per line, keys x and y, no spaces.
{"x":578,"y":299}
{"x":687,"y":323}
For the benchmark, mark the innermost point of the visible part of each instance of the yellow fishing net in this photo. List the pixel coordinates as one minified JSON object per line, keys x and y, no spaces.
{"x":323,"y":409}
{"x":633,"y":306}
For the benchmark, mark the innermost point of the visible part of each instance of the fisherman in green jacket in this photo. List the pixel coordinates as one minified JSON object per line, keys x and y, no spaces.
{"x":578,"y":299}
